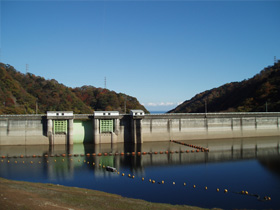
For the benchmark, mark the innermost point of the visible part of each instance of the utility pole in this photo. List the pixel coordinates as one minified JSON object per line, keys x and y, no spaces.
{"x":266,"y":106}
{"x":26,"y":68}
{"x":105,"y":83}
{"x":125,"y":104}
{"x":36,"y":106}
{"x":205,"y":106}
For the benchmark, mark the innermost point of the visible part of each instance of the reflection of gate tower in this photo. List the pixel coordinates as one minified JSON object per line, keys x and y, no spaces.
{"x":106,"y":125}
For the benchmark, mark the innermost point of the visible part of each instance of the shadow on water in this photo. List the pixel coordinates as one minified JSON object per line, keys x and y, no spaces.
{"x":233,"y":164}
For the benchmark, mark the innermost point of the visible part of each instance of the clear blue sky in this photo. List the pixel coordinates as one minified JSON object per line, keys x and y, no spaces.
{"x":162,"y":52}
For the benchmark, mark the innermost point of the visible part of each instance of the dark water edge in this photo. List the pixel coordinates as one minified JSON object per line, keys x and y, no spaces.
{"x":239,"y":164}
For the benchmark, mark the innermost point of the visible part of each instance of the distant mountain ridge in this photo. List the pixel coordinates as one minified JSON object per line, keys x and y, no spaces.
{"x":257,"y":94}
{"x":28,"y":94}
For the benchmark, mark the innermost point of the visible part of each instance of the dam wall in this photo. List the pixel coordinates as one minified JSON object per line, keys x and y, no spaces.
{"x":62,"y":128}
{"x":23,"y":130}
{"x":209,"y":126}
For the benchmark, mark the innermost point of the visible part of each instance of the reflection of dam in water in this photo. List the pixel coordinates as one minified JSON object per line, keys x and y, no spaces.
{"x":173,"y":154}
{"x":250,"y":164}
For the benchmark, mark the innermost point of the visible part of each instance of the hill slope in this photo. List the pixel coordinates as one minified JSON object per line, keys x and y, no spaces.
{"x":257,"y":94}
{"x":26,"y":93}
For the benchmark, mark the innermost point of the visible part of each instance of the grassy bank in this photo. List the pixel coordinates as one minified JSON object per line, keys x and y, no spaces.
{"x":26,"y":195}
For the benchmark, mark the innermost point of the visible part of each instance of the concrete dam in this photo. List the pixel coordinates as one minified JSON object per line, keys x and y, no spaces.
{"x":56,"y":128}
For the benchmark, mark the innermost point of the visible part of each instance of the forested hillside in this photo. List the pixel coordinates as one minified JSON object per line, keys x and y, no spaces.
{"x":258,"y":94}
{"x":28,"y":94}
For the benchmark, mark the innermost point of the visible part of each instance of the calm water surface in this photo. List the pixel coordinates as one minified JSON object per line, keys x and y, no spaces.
{"x":242,"y":164}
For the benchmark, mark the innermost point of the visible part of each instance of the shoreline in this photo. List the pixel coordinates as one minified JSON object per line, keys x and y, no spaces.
{"x":27,"y":195}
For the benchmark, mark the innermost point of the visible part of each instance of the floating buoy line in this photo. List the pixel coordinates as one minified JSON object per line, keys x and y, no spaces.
{"x":8,"y":160}
{"x":61,"y":158}
{"x":198,"y":148}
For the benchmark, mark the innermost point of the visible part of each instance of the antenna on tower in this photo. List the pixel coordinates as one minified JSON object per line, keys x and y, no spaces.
{"x":275,"y":60}
{"x":105,"y":83}
{"x":27,"y":68}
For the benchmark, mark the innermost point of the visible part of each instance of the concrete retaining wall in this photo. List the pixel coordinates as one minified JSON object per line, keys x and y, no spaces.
{"x":23,"y":130}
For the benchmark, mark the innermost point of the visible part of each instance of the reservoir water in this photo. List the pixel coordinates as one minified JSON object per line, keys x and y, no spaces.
{"x":248,"y":169}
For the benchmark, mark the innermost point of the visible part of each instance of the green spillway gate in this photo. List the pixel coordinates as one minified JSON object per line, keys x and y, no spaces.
{"x":82,"y":131}
{"x":60,"y":126}
{"x":106,"y":126}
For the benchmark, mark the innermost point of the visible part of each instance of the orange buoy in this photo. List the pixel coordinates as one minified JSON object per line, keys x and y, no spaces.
{"x":225,"y":191}
{"x":21,"y":156}
{"x":138,"y":153}
{"x":93,"y":154}
{"x":144,"y":153}
{"x":187,"y":151}
{"x":194,"y":186}
{"x":3,"y":157}
{"x":143,"y":178}
{"x":155,"y":153}
{"x":105,"y":154}
{"x":99,"y":154}
{"x":133,"y":153}
{"x":122,"y":154}
{"x":218,"y":189}
{"x":86,"y":155}
{"x":269,"y":198}
{"x":197,"y":150}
